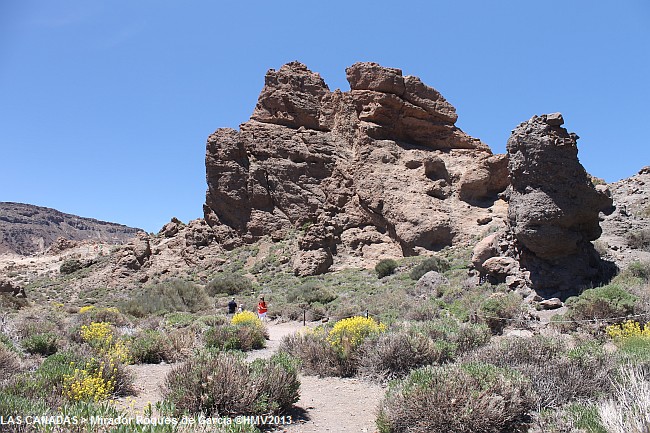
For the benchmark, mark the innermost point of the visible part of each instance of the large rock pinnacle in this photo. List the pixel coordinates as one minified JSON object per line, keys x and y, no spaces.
{"x":378,"y":171}
{"x":553,"y":213}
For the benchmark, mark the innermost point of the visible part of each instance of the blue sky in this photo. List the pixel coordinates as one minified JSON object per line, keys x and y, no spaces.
{"x":105,"y":106}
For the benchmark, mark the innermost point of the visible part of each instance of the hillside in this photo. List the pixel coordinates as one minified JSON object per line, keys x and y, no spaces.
{"x":27,"y":229}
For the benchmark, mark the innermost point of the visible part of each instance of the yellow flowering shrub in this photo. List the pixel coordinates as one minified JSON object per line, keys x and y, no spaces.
{"x":99,"y":335}
{"x":246,"y":318}
{"x":348,"y":334}
{"x":628,"y":329}
{"x":90,"y":383}
{"x":86,"y":309}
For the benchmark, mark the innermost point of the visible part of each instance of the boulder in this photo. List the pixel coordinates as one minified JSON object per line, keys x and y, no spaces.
{"x":500,"y":266}
{"x":484,"y":250}
{"x":551,"y":304}
{"x":429,"y":283}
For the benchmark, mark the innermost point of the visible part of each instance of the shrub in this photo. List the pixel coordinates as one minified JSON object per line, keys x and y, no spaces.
{"x":348,"y":334}
{"x":639,"y":240}
{"x":640,"y":270}
{"x":224,"y":384}
{"x":316,"y":354}
{"x":629,"y":411}
{"x":311,"y":292}
{"x":169,"y":296}
{"x":385,"y":267}
{"x":245,"y":332}
{"x":463,"y":398}
{"x":100,"y":336}
{"x":601,"y":303}
{"x":628,"y":329}
{"x":70,"y":266}
{"x":43,"y":344}
{"x":110,"y":315}
{"x":229,"y":283}
{"x":246,"y":318}
{"x":557,"y":375}
{"x":430,"y":264}
{"x":233,"y":337}
{"x":395,"y":354}
{"x":150,"y":347}
{"x":499,"y":308}
{"x":9,"y":362}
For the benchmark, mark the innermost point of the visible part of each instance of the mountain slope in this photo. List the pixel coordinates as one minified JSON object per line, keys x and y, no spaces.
{"x":27,"y":229}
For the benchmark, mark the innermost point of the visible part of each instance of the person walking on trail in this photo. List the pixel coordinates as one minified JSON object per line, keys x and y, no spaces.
{"x":262,"y":308}
{"x":232,"y":306}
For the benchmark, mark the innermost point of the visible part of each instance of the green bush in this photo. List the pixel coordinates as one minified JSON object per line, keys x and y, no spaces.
{"x":430,"y":264}
{"x":235,"y":337}
{"x":310,"y":292}
{"x":229,"y":283}
{"x":151,"y":347}
{"x":70,"y":266}
{"x":601,"y":303}
{"x":168,"y":296}
{"x":500,"y":308}
{"x":640,"y":270}
{"x":43,"y":344}
{"x":385,"y":267}
{"x":224,"y":384}
{"x":465,"y":398}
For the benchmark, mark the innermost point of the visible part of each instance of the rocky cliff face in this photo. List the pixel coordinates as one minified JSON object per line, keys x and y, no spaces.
{"x":26,"y":229}
{"x":553,"y":214}
{"x":381,"y":169}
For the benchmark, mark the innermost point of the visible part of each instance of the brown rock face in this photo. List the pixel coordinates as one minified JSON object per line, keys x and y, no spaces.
{"x":554,"y":206}
{"x":553,"y":213}
{"x":380,"y":164}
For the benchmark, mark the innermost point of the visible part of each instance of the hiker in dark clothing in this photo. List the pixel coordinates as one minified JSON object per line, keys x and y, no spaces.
{"x":232,"y":306}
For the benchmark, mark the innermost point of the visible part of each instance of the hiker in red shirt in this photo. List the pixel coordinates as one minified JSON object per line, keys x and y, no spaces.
{"x":262,"y":309}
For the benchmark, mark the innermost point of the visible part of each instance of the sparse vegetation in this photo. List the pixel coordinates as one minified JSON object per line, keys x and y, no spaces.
{"x":639,"y":240}
{"x":169,"y":296}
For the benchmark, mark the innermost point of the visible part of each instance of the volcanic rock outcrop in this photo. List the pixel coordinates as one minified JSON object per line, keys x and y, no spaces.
{"x":553,"y":214}
{"x":379,"y":170}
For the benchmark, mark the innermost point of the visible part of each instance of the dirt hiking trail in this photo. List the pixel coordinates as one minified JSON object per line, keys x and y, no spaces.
{"x":328,"y":404}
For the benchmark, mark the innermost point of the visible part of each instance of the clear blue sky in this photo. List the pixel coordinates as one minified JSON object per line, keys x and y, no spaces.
{"x":105,"y":106}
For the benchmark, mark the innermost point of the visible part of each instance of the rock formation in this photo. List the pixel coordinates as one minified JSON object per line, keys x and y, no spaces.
{"x":27,"y":229}
{"x":382,"y":164}
{"x":553,"y":214}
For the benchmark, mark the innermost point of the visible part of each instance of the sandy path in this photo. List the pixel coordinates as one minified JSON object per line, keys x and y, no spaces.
{"x":326,"y":404}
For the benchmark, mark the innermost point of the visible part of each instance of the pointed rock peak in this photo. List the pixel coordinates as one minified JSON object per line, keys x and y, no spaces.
{"x":291,"y":97}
